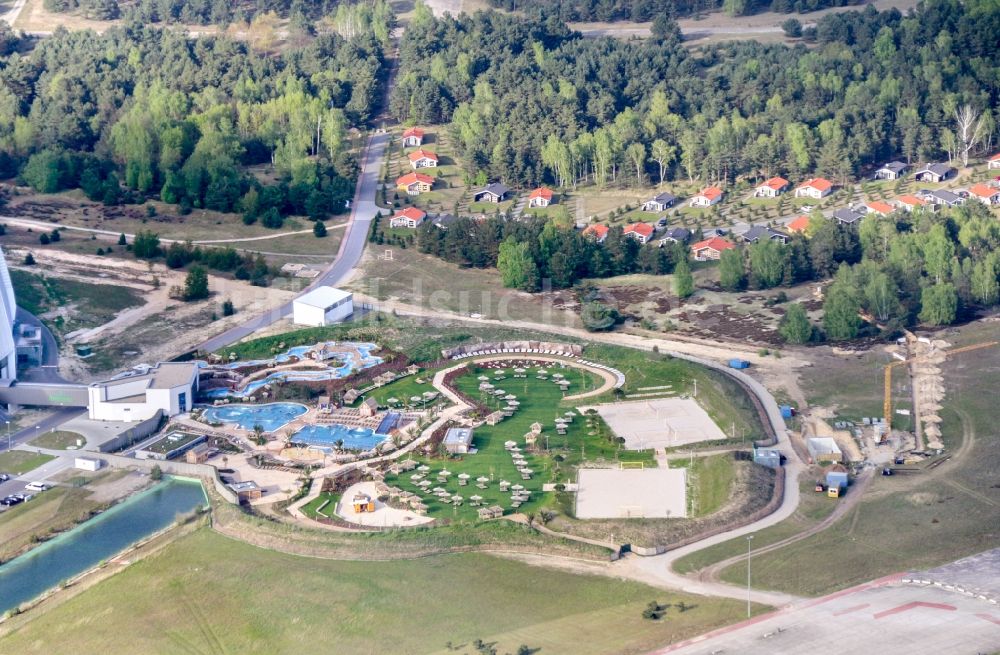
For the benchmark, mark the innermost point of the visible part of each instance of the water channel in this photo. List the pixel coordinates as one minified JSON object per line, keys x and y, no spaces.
{"x":101,"y":538}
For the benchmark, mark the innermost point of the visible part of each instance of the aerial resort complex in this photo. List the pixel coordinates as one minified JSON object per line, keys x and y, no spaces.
{"x":452,"y":327}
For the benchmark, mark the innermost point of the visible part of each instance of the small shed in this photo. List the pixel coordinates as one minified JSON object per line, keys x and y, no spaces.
{"x":824,"y":449}
{"x":362,"y":502}
{"x":87,"y":463}
{"x":786,"y":411}
{"x":769,"y":457}
{"x":457,"y":441}
{"x":197,"y":455}
{"x":246,"y":491}
{"x":369,"y":407}
{"x":739,"y":363}
{"x":836,"y":478}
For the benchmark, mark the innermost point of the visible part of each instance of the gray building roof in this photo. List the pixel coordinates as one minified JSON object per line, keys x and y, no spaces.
{"x":444,"y":220}
{"x":757,"y":232}
{"x":680,"y":234}
{"x":848,"y":216}
{"x":937,"y":169}
{"x":497,"y":189}
{"x":664,"y":198}
{"x":942,"y":196}
{"x":896,"y":167}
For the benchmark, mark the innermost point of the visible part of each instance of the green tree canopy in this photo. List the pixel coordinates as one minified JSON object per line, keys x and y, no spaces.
{"x":795,"y":326}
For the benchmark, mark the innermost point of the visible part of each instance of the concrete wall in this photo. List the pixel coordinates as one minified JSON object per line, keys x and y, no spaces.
{"x":201,"y":471}
{"x":134,"y":434}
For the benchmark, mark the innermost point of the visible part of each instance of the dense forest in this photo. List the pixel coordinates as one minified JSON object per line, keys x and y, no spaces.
{"x":141,"y":112}
{"x":302,"y":13}
{"x":531,"y":102}
{"x":647,"y":10}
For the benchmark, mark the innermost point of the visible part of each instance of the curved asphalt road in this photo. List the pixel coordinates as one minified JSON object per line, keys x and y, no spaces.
{"x":363,"y":211}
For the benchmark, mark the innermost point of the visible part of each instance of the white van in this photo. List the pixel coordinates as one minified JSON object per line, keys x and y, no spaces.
{"x":36,"y":486}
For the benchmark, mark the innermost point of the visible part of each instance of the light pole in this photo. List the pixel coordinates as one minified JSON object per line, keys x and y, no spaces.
{"x":749,"y":540}
{"x":8,"y":434}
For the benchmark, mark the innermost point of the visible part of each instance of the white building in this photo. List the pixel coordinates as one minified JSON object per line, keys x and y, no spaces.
{"x":8,"y":310}
{"x":457,"y":441}
{"x":168,"y":387}
{"x":87,"y":463}
{"x":322,"y":306}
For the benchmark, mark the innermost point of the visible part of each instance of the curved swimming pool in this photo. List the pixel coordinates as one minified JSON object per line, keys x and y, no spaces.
{"x":270,"y":417}
{"x":326,"y":437}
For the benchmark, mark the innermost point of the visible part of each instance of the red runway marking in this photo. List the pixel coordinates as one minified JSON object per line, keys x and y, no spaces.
{"x":889,"y":579}
{"x":851,"y":609}
{"x":987,"y":617}
{"x":913,"y":605}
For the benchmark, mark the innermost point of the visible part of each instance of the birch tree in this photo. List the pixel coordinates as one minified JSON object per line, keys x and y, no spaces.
{"x":969,"y":130}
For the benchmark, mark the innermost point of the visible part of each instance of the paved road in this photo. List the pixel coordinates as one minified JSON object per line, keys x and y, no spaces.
{"x":16,"y":484}
{"x":363,"y":211}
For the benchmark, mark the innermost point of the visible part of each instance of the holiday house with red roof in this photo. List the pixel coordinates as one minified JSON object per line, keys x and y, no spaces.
{"x":816,"y":188}
{"x":710,"y":249}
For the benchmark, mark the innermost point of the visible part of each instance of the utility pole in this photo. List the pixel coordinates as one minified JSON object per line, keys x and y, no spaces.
{"x":749,"y":539}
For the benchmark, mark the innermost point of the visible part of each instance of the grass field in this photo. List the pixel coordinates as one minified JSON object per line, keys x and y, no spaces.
{"x":415,"y":278}
{"x":57,"y":440}
{"x":79,"y":304}
{"x":326,"y":500}
{"x":710,"y":484}
{"x":206,"y":593}
{"x":21,"y":461}
{"x":48,"y":513}
{"x":812,"y":509}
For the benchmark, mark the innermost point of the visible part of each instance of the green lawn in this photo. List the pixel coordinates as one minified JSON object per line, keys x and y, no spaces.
{"x":813,"y":508}
{"x":541,"y":401}
{"x":47,"y":514}
{"x":17,"y":462}
{"x":710,"y":484}
{"x":403,"y":389}
{"x":58,"y":440}
{"x":326,"y":500}
{"x":209,"y":594}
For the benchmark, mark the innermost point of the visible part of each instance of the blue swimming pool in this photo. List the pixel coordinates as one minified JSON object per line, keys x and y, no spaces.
{"x":270,"y":417}
{"x":325,"y":436}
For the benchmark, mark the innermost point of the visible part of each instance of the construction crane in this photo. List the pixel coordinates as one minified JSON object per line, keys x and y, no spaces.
{"x":887,"y":400}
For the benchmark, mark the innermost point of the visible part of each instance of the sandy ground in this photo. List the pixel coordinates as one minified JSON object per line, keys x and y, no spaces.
{"x":659,"y":423}
{"x":383,"y":516}
{"x":158,"y":342}
{"x":631,"y":493}
{"x":276,"y":485}
{"x":719,"y":23}
{"x":119,"y":487}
